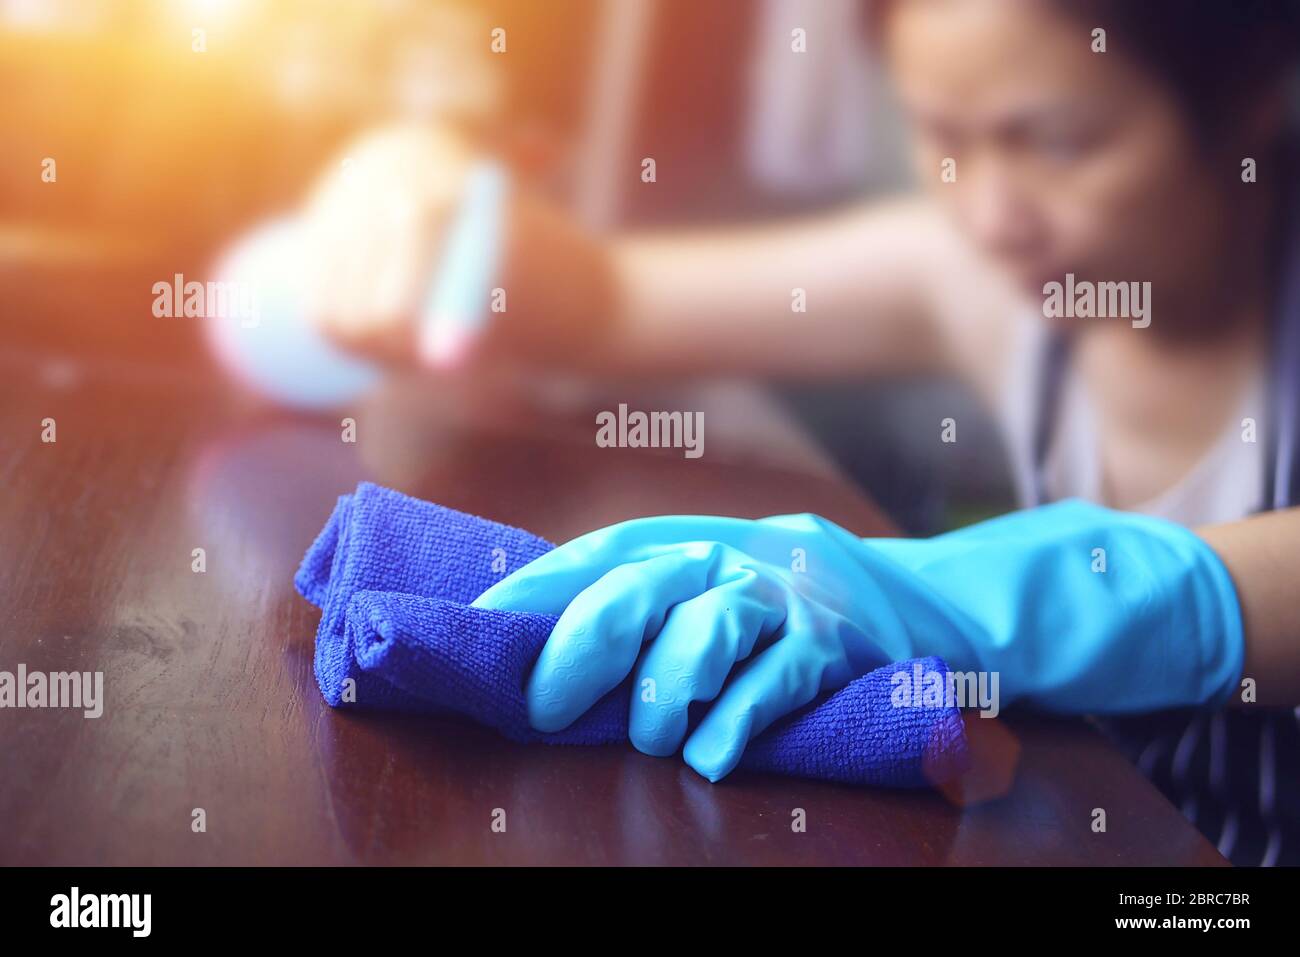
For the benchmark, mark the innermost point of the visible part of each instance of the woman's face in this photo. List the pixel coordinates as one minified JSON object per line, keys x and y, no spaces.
{"x":1066,"y":160}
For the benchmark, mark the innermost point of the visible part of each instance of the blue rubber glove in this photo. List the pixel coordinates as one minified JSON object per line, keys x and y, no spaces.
{"x":762,"y":617}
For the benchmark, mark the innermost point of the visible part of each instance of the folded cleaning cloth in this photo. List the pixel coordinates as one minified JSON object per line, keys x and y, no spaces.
{"x":394,"y":576}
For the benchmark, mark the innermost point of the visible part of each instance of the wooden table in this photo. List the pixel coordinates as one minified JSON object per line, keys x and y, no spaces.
{"x":211,"y":703}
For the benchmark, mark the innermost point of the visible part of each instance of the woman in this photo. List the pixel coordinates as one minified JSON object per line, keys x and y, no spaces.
{"x":1071,"y":142}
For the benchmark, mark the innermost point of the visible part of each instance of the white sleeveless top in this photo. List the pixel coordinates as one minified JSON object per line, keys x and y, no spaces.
{"x":1225,"y":485}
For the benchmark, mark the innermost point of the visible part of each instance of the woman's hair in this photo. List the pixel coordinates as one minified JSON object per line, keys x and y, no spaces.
{"x":1215,"y":55}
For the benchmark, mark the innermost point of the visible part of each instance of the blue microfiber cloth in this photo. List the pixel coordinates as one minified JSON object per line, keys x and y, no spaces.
{"x":394,"y":577}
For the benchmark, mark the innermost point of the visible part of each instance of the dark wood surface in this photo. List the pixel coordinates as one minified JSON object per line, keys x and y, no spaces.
{"x":211,"y":703}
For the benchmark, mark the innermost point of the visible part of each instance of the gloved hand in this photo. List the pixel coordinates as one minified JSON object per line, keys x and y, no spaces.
{"x":762,"y":617}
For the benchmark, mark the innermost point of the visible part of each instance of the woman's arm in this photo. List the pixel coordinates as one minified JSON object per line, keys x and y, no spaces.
{"x":890,"y":288}
{"x":1262,"y":554}
{"x":887,"y":286}
{"x":725,"y":301}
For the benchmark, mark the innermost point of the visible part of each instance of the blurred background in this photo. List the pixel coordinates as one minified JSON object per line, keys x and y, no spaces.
{"x":176,"y":126}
